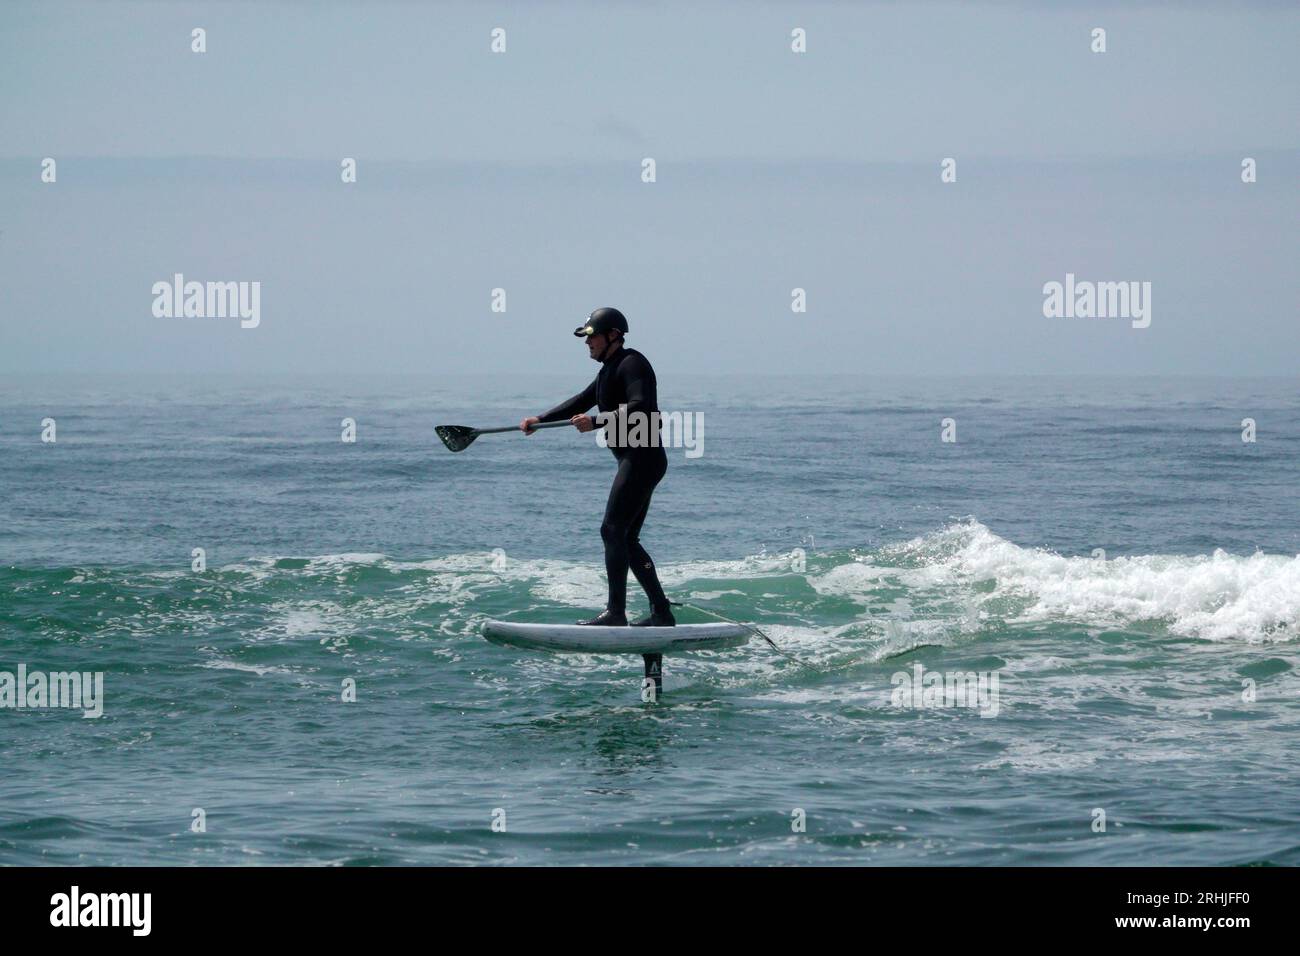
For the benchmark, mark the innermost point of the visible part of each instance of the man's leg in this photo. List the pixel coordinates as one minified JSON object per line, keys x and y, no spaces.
{"x":643,"y":567}
{"x":628,"y":497}
{"x":641,"y":563}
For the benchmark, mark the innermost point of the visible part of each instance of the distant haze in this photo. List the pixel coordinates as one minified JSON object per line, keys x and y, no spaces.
{"x":775,"y":171}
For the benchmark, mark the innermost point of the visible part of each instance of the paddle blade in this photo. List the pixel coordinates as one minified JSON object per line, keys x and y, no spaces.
{"x":456,"y":437}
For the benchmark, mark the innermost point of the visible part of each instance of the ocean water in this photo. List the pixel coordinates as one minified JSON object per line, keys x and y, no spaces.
{"x":1153,"y":687}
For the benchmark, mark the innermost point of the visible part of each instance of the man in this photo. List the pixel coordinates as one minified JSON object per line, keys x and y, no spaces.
{"x":625,"y":379}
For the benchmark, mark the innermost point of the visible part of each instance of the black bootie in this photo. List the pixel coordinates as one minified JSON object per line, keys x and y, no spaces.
{"x":608,"y":618}
{"x":659,"y":618}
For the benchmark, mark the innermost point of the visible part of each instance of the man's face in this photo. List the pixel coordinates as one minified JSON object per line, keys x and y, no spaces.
{"x":596,"y":344}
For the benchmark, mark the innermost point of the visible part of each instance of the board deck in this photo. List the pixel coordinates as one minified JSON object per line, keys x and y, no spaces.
{"x":584,"y":639}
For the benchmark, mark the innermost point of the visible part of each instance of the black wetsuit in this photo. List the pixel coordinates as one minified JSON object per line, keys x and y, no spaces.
{"x":625,"y":378}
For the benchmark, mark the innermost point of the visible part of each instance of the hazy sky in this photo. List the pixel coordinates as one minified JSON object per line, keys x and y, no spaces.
{"x":776,"y":170}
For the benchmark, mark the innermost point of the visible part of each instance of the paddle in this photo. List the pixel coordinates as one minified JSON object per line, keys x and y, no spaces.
{"x":460,"y":437}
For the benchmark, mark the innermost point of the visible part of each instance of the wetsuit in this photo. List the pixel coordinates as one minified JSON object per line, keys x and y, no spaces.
{"x":625,"y":378}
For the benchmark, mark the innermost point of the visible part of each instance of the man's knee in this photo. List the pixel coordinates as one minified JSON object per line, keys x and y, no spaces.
{"x":614,"y":532}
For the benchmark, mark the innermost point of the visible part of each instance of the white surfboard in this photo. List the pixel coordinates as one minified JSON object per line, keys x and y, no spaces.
{"x":587,"y":639}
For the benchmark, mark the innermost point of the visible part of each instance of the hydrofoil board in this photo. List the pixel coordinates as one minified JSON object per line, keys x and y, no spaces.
{"x":588,"y":639}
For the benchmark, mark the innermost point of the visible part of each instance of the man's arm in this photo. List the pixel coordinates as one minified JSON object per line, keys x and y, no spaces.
{"x":574,"y":406}
{"x":571,"y":409}
{"x":639,"y":385}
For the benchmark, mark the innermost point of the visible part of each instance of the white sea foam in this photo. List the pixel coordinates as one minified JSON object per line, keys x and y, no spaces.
{"x":1220,"y":596}
{"x":959,"y":577}
{"x":227,"y":665}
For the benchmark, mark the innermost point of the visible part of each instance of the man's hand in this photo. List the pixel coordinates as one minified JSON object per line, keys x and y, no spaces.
{"x":582,"y":423}
{"x":526,"y":426}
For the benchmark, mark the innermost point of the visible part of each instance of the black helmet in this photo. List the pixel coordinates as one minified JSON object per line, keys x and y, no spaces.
{"x":602,"y":320}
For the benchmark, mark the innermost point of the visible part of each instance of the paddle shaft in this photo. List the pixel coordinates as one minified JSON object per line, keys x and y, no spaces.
{"x":515,"y":428}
